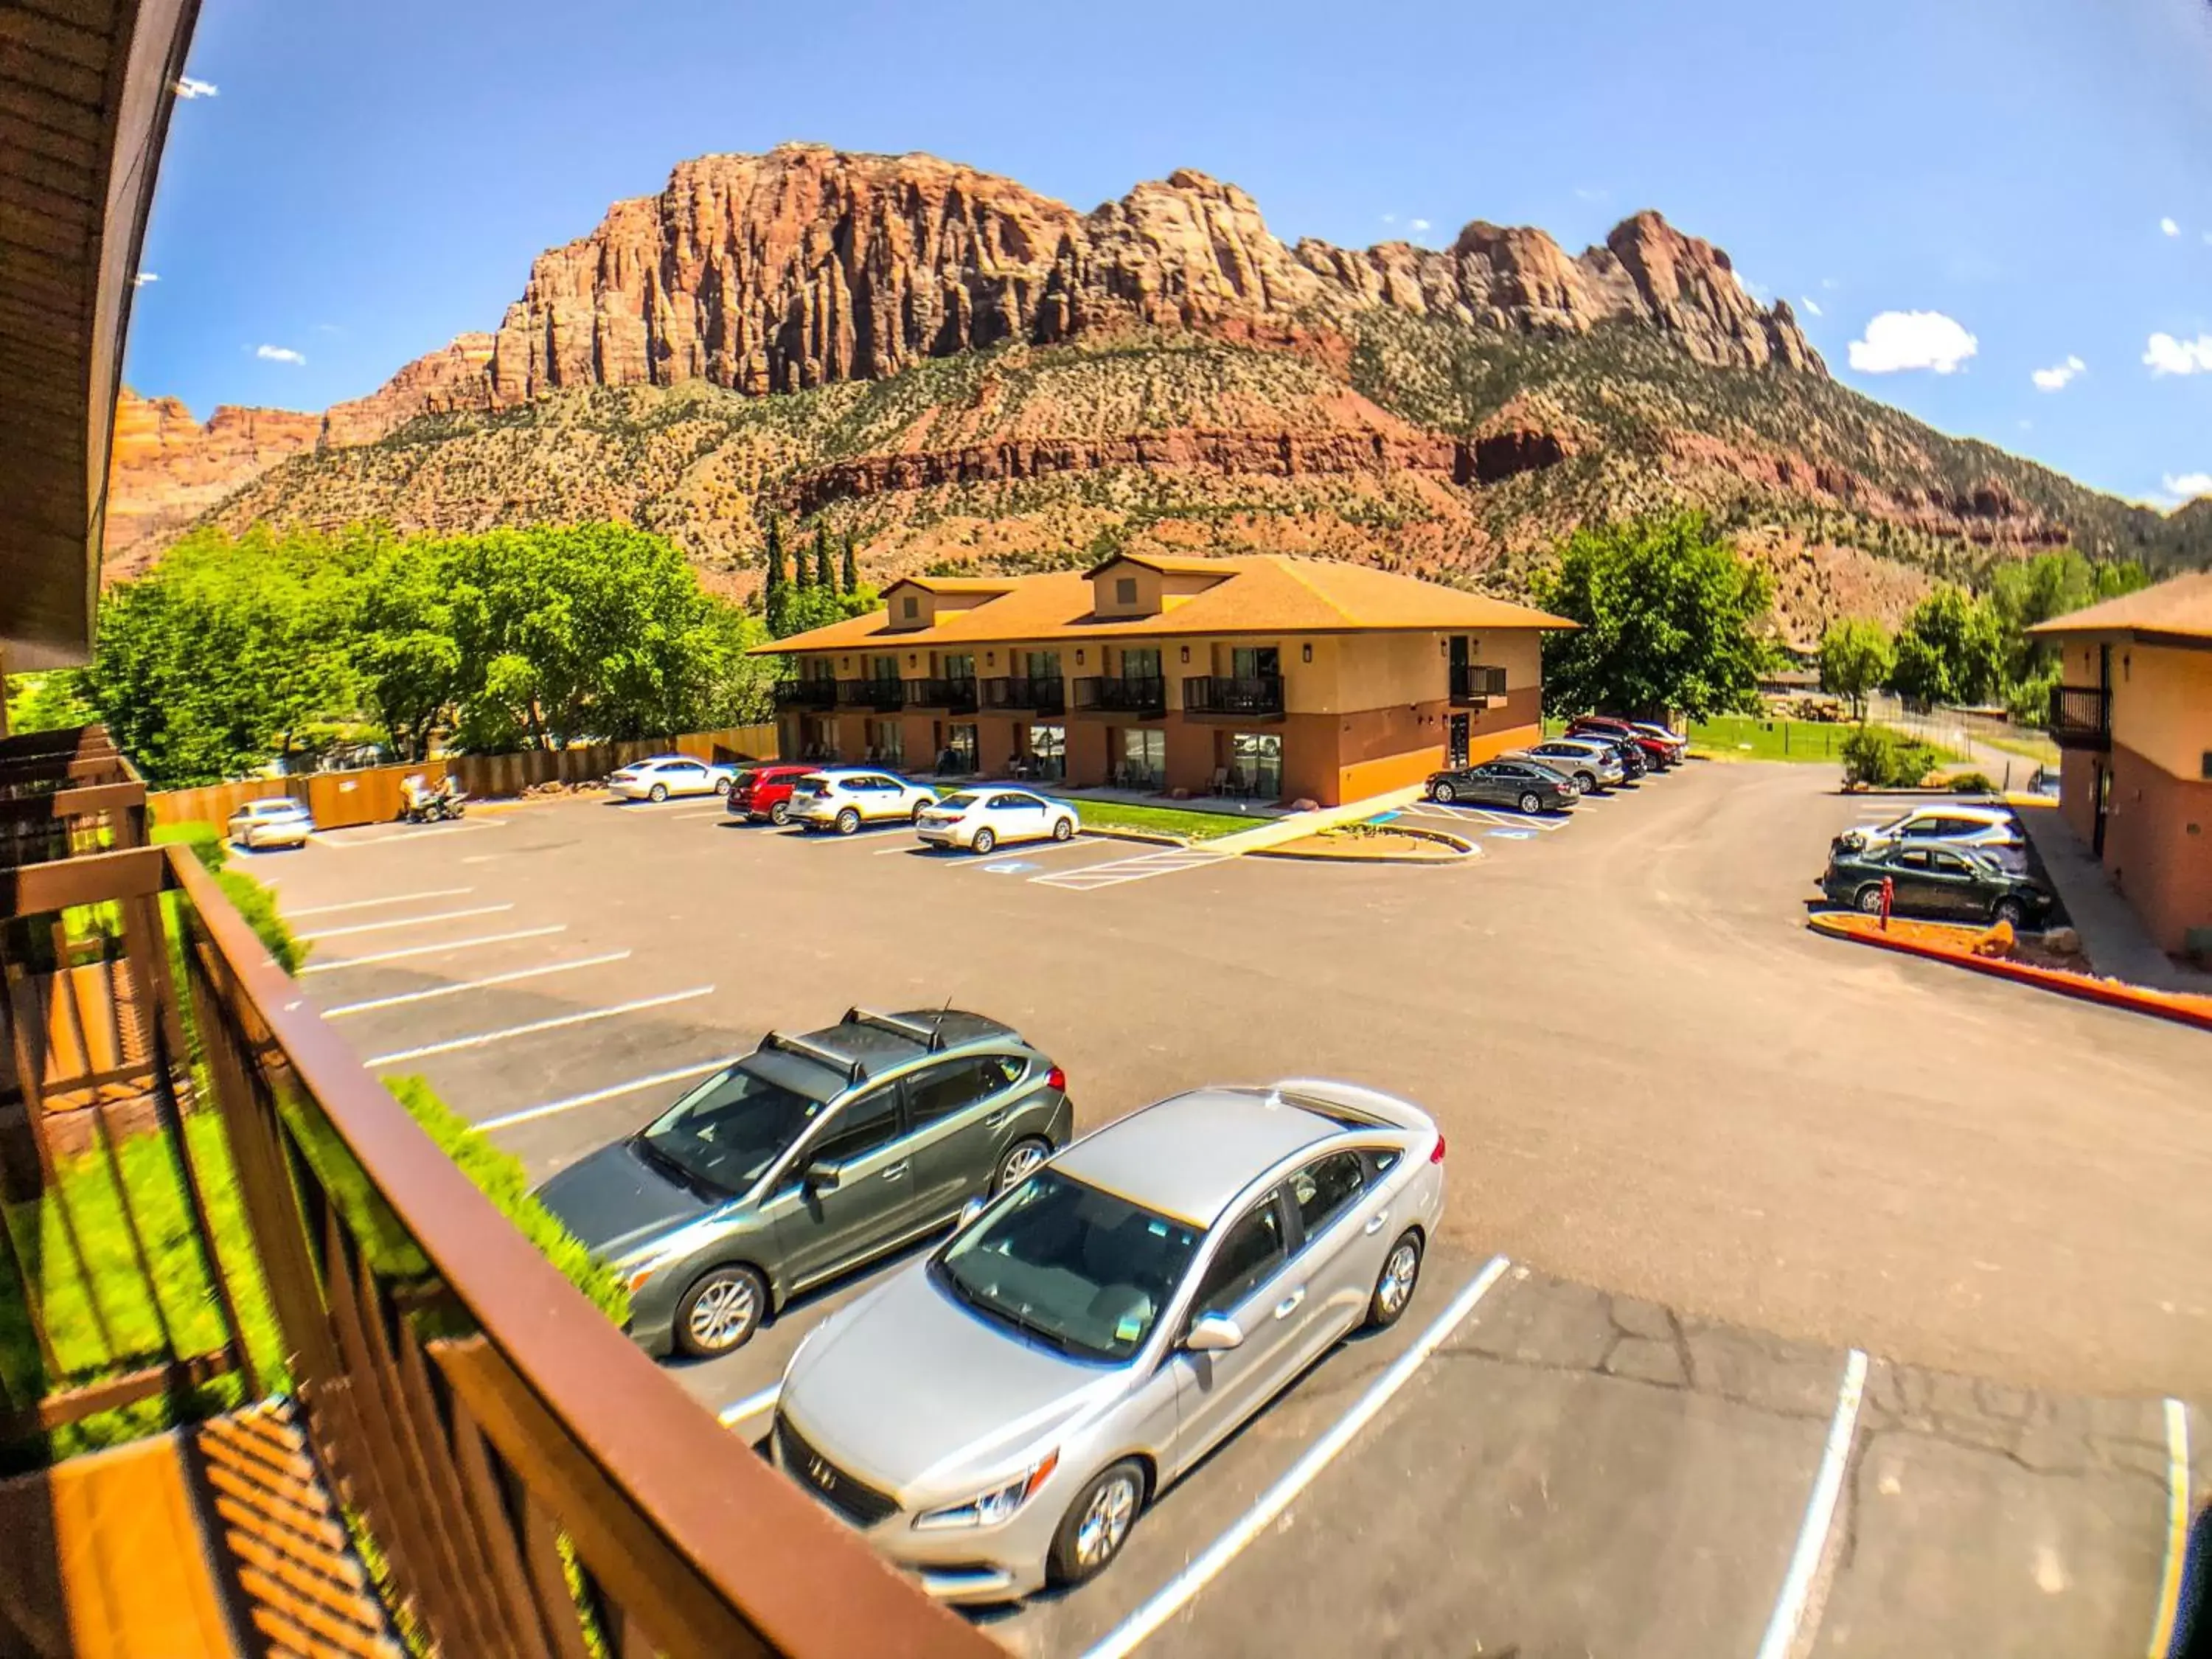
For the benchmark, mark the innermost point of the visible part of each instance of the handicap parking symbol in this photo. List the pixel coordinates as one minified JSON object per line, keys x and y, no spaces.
{"x":1008,"y":867}
{"x":1511,"y":834}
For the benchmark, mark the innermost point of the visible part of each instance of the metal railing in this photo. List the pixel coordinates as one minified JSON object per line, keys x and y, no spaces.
{"x":810,"y":694}
{"x":885,"y":696}
{"x":1035,"y":694}
{"x":955,"y":696}
{"x":2080,"y":717}
{"x":1100,"y":694}
{"x":525,"y":1479}
{"x":1258,"y":696}
{"x":1473,"y":682}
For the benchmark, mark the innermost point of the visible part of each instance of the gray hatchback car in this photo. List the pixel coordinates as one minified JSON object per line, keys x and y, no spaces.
{"x":809,"y":1156}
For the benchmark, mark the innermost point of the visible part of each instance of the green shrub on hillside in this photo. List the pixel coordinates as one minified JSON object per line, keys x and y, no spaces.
{"x":1879,"y":758}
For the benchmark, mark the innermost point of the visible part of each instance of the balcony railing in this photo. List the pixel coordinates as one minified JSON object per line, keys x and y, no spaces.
{"x":955,"y":696}
{"x":1145,"y":697}
{"x":1474,"y":684}
{"x":810,"y":696}
{"x":2080,"y":717}
{"x":1258,"y":696}
{"x":885,"y":696}
{"x":1038,"y":695}
{"x":524,"y":1479}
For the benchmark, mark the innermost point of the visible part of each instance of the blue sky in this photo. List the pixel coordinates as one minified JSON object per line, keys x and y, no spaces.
{"x":363,"y":182}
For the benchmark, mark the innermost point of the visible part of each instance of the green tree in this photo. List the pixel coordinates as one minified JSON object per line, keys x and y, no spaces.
{"x":2032,"y":590}
{"x":1950,"y":649}
{"x":409,"y":664}
{"x":1856,"y":658}
{"x":775,"y":556}
{"x":1669,"y":616}
{"x":54,"y":700}
{"x":825,"y":573}
{"x":851,"y":581}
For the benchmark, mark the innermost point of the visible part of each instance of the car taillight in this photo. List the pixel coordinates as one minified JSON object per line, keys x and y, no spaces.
{"x":1056,"y":1079}
{"x":1436,"y":1151}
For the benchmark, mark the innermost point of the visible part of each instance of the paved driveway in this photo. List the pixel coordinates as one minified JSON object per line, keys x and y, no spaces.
{"x":1663,"y":1096}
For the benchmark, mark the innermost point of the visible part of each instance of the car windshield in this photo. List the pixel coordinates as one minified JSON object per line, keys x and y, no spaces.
{"x":729,"y":1130}
{"x":1078,"y":1269}
{"x":959,"y":803}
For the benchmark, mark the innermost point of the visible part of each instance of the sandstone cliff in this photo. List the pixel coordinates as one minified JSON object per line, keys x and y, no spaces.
{"x":808,"y":266}
{"x":169,"y":469}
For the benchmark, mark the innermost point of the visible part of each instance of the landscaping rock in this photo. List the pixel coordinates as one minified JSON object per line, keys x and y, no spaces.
{"x":2062,"y":942}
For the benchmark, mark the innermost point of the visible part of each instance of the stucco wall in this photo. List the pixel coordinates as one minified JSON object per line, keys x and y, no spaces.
{"x":2162,"y":707}
{"x":2158,"y":845}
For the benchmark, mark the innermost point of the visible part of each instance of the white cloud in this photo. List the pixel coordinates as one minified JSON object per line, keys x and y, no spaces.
{"x":1389,"y":218}
{"x":2054,"y":378}
{"x":1417,"y":225}
{"x":1812,"y":305}
{"x":1830,"y":283}
{"x":1912,"y":340}
{"x":270,"y":354}
{"x":188,"y":88}
{"x":1758,"y":291}
{"x":1590,"y":193}
{"x":144,"y":277}
{"x":2189,"y":485}
{"x":2167,"y":356}
{"x":2169,"y":226}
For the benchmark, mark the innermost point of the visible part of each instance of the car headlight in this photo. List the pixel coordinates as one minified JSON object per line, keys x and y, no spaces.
{"x":988,"y":1508}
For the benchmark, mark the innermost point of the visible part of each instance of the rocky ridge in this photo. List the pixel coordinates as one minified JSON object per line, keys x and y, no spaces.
{"x":167,"y":468}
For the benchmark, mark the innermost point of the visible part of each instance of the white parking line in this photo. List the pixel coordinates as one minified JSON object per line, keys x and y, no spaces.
{"x":700,"y":812}
{"x":405,"y":921}
{"x":405,"y":997}
{"x":591,"y":1097}
{"x":1789,"y":1609}
{"x":2177,"y":1528}
{"x":364,"y":904}
{"x":1165,"y":862}
{"x":1170,"y":1598}
{"x":1033,"y":849}
{"x":413,"y":833}
{"x":433,"y":950}
{"x":554,"y":1025}
{"x":751,"y":1406}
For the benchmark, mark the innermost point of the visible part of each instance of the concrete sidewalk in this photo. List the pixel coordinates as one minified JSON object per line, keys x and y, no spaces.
{"x":1293,"y":825}
{"x":2113,"y":936}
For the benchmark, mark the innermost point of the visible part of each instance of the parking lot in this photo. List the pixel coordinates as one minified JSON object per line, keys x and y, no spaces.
{"x":1719,"y":1157}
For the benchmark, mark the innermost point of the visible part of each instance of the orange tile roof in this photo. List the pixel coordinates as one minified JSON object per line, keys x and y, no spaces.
{"x":1264,"y":593}
{"x":957,"y":584}
{"x":2183,"y":605}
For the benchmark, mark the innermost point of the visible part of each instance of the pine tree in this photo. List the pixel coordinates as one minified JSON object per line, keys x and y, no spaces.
{"x":802,"y":569}
{"x":851,"y":583}
{"x":775,"y":557}
{"x":825,"y":574}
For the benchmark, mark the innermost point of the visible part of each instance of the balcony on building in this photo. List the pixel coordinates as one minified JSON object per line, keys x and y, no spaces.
{"x":1145,"y":697}
{"x":807,"y":697}
{"x":1227,"y":697}
{"x":884,"y":696}
{"x":1021,"y":694}
{"x":2080,"y":717}
{"x":951,"y":696}
{"x":1474,"y":686}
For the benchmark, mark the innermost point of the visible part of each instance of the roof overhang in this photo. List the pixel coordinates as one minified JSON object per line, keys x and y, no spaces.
{"x":84,"y":112}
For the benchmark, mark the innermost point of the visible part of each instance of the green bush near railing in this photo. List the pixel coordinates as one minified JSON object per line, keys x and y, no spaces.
{"x":253,"y":902}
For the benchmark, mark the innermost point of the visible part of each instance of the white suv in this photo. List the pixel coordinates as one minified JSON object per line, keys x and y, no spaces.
{"x":843,"y":801}
{"x":1950,"y":822}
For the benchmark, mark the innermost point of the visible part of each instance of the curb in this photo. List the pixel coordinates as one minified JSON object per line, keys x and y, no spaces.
{"x":1150,"y":837}
{"x":2111,"y":993}
{"x":1462,"y":849}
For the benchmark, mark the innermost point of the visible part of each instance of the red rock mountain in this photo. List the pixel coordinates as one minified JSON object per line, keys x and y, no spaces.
{"x":167,"y":469}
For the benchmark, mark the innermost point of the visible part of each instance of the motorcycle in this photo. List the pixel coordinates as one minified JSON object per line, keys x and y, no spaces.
{"x":441,"y":805}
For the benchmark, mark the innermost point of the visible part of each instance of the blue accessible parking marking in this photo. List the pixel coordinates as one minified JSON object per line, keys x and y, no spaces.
{"x":1008,"y":867}
{"x":1509,"y":835}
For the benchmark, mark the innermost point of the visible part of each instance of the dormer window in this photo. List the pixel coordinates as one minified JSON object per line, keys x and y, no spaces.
{"x":909,"y":607}
{"x":1125,"y":589}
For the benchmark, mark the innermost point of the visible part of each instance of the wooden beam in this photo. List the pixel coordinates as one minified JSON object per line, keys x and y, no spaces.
{"x":18,"y":136}
{"x":54,"y":76}
{"x":34,"y":104}
{"x":54,"y":38}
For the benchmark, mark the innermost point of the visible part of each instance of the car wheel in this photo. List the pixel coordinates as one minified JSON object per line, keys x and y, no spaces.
{"x":1018,"y":1161}
{"x":1395,"y":1284}
{"x":914,"y":816}
{"x":1063,"y":829}
{"x":984,"y":841}
{"x":658,"y":794}
{"x":780,"y":814}
{"x":1869,"y":900}
{"x":721,"y":786}
{"x":720,"y":1312}
{"x":1443,"y":793}
{"x":1097,"y":1523}
{"x":1586,"y":781}
{"x":2010,"y":911}
{"x":1528,"y":802}
{"x":847,"y":822}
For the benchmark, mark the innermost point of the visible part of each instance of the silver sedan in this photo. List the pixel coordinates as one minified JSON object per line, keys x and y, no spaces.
{"x":996,"y":1416}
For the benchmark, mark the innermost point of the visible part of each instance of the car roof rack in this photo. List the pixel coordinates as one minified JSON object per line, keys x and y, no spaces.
{"x":930,"y":1037}
{"x":853,"y":1071}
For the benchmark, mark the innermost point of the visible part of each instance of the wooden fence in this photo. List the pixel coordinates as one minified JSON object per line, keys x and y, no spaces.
{"x":370,"y":794}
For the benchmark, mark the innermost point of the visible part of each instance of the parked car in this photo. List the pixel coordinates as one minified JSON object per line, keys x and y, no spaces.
{"x":844,"y":800}
{"x":978,"y":820}
{"x":278,"y":821}
{"x":1633,"y":765}
{"x":1592,"y":765}
{"x":1931,"y":878}
{"x":809,"y":1156}
{"x":1091,"y":1334}
{"x":1657,"y":753}
{"x":1530,"y":785}
{"x":762,"y":793}
{"x":1677,"y":741}
{"x":1952,"y":825}
{"x":659,"y":776}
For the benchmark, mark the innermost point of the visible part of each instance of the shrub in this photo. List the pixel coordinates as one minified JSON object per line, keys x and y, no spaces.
{"x":1879,"y":758}
{"x":258,"y":905}
{"x":1971,"y":782}
{"x":204,"y":839}
{"x":498,"y":1175}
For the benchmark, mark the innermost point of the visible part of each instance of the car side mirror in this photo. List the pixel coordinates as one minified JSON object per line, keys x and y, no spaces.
{"x":970,"y":1213}
{"x":823,"y":1175}
{"x":1214,"y":1333}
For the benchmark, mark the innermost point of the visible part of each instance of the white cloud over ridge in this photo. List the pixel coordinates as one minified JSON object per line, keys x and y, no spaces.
{"x":2164,"y":354}
{"x":2189,"y":485}
{"x":2054,"y":378}
{"x":1811,"y":305}
{"x":270,"y":354}
{"x":1896,"y":340}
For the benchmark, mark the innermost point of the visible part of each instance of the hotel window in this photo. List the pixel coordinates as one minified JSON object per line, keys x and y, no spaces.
{"x":888,"y":745}
{"x":1048,"y":756}
{"x":1041,"y":664}
{"x":909,"y":607}
{"x":1143,"y":758}
{"x":1140,"y":663}
{"x":1256,"y":763}
{"x":1125,"y":589}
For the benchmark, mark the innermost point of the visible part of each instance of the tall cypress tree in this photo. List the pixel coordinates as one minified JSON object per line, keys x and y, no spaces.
{"x":825,"y":575}
{"x":852,"y":566}
{"x":802,"y":569}
{"x":775,"y":556}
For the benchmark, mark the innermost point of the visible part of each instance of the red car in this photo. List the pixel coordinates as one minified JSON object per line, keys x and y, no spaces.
{"x":762,"y":794}
{"x":1658,"y":752}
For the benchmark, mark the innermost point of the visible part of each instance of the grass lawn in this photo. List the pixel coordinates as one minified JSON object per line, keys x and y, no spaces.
{"x":2028,"y":746}
{"x":1167,"y":820}
{"x":1751,"y":737}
